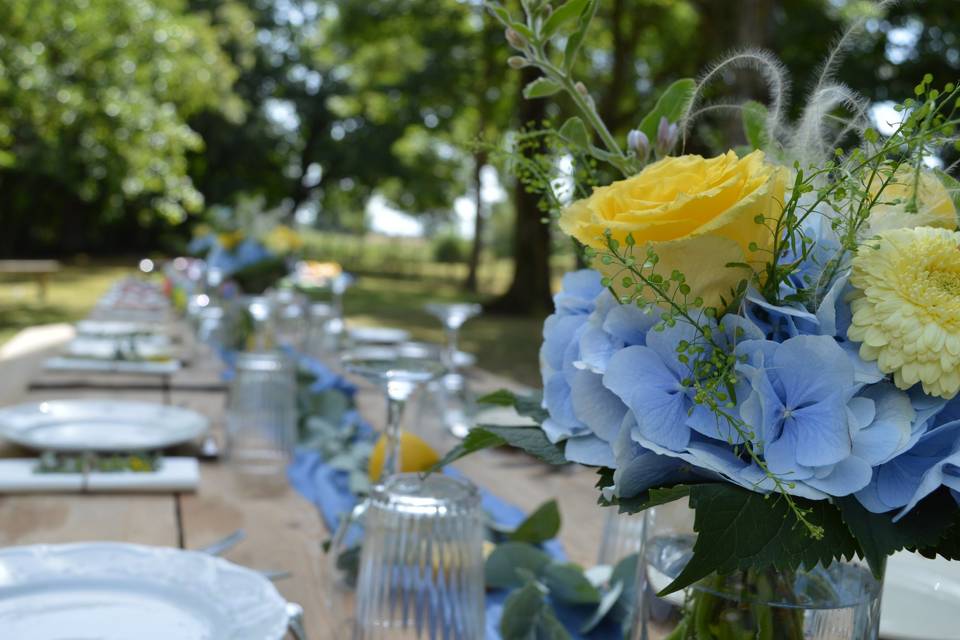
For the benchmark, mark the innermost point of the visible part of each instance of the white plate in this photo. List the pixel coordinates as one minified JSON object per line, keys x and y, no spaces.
{"x":99,"y":425}
{"x":112,"y":328}
{"x":147,"y":347}
{"x":378,"y":335}
{"x":106,"y":591}
{"x":145,"y":367}
{"x":921,"y":599}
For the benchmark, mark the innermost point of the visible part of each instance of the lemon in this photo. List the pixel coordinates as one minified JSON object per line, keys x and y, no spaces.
{"x":415,"y":455}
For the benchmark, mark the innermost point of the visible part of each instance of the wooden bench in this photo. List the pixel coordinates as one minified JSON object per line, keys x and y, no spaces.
{"x":39,"y":269}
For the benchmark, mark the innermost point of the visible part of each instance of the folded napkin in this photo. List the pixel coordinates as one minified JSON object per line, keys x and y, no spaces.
{"x":19,"y":475}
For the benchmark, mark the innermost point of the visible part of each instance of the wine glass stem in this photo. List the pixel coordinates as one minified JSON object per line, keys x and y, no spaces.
{"x":453,"y":335}
{"x":391,"y":459}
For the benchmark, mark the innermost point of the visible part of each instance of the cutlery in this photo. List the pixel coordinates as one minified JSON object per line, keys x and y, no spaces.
{"x":224,"y":544}
{"x":295,"y":621}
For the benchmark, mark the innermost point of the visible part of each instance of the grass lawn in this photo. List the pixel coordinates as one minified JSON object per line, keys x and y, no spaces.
{"x":503,"y":344}
{"x":70,"y":295}
{"x":506,"y":345}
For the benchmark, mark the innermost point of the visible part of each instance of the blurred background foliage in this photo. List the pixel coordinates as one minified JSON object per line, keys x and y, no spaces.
{"x":123,"y":121}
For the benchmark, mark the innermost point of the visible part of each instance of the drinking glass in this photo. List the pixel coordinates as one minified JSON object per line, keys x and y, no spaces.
{"x":261,"y":420}
{"x":258,"y":321}
{"x":291,"y":321}
{"x":336,"y":325}
{"x":318,"y":343}
{"x":421,"y":565}
{"x":623,"y":535}
{"x":458,"y":406}
{"x":399,"y":375}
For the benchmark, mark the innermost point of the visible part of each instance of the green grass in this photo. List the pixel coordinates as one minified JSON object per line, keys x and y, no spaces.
{"x":505,"y":345}
{"x":71,"y":294}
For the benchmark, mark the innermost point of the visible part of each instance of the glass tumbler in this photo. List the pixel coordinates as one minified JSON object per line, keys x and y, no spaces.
{"x":261,"y":420}
{"x":421,"y":566}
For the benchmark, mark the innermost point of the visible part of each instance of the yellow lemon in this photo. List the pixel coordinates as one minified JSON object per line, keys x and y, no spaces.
{"x":415,"y":455}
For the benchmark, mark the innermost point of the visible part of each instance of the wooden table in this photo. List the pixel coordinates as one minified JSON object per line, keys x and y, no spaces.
{"x":284,"y":532}
{"x":39,"y":269}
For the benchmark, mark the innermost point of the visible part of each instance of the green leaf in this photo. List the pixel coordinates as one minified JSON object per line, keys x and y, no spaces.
{"x":576,"y":39}
{"x":607,"y":602}
{"x":879,"y":536}
{"x":567,"y":583}
{"x":649,"y":498}
{"x":739,"y":529}
{"x":540,"y":526}
{"x":575,"y":132}
{"x":671,"y":105}
{"x":948,"y":547}
{"x":529,"y":406}
{"x":500,"y":12}
{"x":541,"y":88}
{"x":500,"y":570}
{"x":527,"y":616}
{"x":531,"y":440}
{"x":754,"y":117}
{"x":561,"y":15}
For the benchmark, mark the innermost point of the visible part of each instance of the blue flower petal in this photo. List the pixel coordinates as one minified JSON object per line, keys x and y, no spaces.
{"x":823,"y":436}
{"x":596,"y":406}
{"x":589,"y":450}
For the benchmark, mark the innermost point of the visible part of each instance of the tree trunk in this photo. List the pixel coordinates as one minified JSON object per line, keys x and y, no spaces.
{"x":473,"y":266}
{"x":529,"y":292}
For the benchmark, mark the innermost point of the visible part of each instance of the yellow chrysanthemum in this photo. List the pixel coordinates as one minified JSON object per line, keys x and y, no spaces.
{"x":906,"y":307}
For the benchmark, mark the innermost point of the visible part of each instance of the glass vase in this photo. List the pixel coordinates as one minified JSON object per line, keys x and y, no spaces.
{"x":838,"y":602}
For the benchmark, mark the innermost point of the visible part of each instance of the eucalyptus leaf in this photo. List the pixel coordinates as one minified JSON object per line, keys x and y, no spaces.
{"x":540,"y":526}
{"x":526,"y":616}
{"x":607,"y":603}
{"x":671,"y":105}
{"x":500,"y":570}
{"x":567,"y":583}
{"x":541,"y":88}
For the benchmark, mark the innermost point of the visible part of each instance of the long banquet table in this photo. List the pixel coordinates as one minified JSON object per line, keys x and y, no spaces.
{"x":284,"y":532}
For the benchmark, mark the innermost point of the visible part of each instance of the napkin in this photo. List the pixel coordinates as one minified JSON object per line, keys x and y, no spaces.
{"x":19,"y":475}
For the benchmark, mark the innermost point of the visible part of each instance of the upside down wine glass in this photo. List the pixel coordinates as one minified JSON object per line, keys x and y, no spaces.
{"x":399,"y":376}
{"x":457,"y":403}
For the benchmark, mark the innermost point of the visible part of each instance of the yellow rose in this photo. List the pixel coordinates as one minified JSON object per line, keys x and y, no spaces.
{"x":934,"y":206}
{"x":282,"y":240}
{"x":697,"y":214}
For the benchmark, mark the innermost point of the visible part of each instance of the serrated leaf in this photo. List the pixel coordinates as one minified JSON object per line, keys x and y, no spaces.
{"x":540,"y":526}
{"x":754,"y":117}
{"x":528,"y":406}
{"x":575,"y":132}
{"x":671,"y":105}
{"x":561,"y":15}
{"x":531,"y":440}
{"x":541,"y":88}
{"x":947,"y":548}
{"x":500,"y":570}
{"x":879,"y":536}
{"x":607,"y":602}
{"x":649,"y":498}
{"x":738,"y":529}
{"x":576,"y":38}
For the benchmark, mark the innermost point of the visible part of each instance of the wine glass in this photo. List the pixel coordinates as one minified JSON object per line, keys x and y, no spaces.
{"x":399,"y":375}
{"x":458,"y":406}
{"x":336,"y":325}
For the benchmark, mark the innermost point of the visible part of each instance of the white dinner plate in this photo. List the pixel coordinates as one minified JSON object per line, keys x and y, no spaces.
{"x":99,"y":425}
{"x":921,"y":599}
{"x":378,"y":335}
{"x":154,"y":348}
{"x":108,"y":591}
{"x":113,"y":328}
{"x":98,"y":365}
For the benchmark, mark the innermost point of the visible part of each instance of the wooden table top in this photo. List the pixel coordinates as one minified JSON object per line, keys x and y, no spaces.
{"x":284,"y":532}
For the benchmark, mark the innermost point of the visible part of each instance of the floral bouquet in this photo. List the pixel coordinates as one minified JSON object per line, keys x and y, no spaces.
{"x":772,"y":334}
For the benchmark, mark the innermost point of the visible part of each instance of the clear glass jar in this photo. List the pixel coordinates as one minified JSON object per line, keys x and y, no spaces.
{"x":838,"y":602}
{"x":261,"y":421}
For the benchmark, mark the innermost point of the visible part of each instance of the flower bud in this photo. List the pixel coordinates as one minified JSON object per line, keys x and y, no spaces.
{"x":515,"y":39}
{"x":517,"y":62}
{"x":638,"y":142}
{"x":582,"y":89}
{"x":667,"y":135}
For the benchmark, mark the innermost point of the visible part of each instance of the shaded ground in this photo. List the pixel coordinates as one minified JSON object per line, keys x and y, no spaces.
{"x":505,"y":345}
